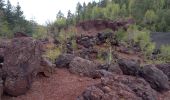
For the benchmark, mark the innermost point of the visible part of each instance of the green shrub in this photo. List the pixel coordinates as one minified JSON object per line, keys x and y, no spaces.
{"x":149,"y":49}
{"x":165,"y":53}
{"x":142,"y":39}
{"x":40,"y":32}
{"x":67,"y":35}
{"x":52,"y":54}
{"x":120,"y":35}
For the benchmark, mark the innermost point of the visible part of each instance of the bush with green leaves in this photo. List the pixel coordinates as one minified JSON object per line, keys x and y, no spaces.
{"x":52,"y":54}
{"x":65,"y":36}
{"x":120,"y":35}
{"x":134,"y":36}
{"x":165,"y":53}
{"x":40,"y":32}
{"x":142,"y":38}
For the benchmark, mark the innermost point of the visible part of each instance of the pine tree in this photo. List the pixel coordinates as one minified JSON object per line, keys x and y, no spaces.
{"x":19,"y":20}
{"x":18,"y":12}
{"x":1,"y":9}
{"x":60,"y":15}
{"x":9,"y":15}
{"x":70,"y":18}
{"x":78,"y":11}
{"x":60,"y":21}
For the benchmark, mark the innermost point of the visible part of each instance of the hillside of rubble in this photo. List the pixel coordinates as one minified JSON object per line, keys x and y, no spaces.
{"x":98,"y":67}
{"x":105,"y":50}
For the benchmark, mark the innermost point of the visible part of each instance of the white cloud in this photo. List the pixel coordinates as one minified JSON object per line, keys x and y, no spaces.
{"x":44,"y":10}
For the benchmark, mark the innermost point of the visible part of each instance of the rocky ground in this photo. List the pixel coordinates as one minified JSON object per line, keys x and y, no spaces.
{"x":62,"y":85}
{"x":67,"y":87}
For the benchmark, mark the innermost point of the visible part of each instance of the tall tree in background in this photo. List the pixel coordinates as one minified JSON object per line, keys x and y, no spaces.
{"x":84,"y":11}
{"x":1,"y":10}
{"x":78,"y":11}
{"x":5,"y":18}
{"x":8,"y":12}
{"x":18,"y":12}
{"x":70,"y":18}
{"x":18,"y":19}
{"x":60,"y":21}
{"x":60,"y":15}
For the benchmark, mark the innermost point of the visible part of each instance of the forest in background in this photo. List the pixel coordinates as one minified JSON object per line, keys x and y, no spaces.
{"x":153,"y":15}
{"x":12,"y":20}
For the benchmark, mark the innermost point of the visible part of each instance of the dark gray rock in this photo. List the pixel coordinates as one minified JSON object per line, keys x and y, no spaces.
{"x":82,"y":66}
{"x":64,"y":60}
{"x":165,"y":68}
{"x":129,"y":67}
{"x":102,"y":37}
{"x":88,"y":53}
{"x":114,"y":68}
{"x":157,"y":79}
{"x":86,"y":41}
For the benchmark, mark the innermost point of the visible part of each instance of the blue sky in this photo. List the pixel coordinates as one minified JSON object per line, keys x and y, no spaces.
{"x":46,"y":10}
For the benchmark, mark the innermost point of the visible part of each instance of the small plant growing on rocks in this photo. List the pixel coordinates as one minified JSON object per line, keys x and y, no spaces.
{"x":165,"y":53}
{"x":52,"y":54}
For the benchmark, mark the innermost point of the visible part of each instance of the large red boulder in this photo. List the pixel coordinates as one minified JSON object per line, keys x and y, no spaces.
{"x":22,"y":61}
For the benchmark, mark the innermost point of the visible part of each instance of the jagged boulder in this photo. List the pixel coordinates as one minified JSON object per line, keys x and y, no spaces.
{"x":88,"y":53}
{"x":165,"y":68}
{"x":64,"y":60}
{"x":119,"y":88}
{"x":22,"y":62}
{"x":113,"y":68}
{"x":129,"y":67}
{"x":102,"y":37}
{"x":157,"y":79}
{"x":82,"y":66}
{"x":86,"y":41}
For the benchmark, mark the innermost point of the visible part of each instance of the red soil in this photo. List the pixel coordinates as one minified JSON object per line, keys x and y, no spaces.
{"x":60,"y":86}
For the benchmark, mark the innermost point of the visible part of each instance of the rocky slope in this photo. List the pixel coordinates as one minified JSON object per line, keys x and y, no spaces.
{"x":78,"y":74}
